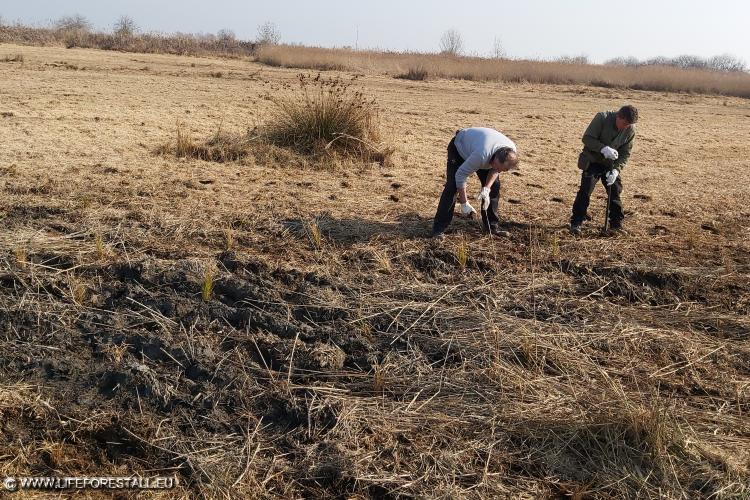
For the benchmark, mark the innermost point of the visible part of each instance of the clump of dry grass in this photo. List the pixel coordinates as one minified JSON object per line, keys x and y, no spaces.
{"x":77,"y":290}
{"x":229,"y":238}
{"x":207,"y":284}
{"x":462,"y":254}
{"x":418,"y":72}
{"x":383,"y":261}
{"x":322,"y":119}
{"x":327,"y":116}
{"x":221,"y":147}
{"x":313,"y":232}
{"x":21,"y":256}
{"x":101,"y":247}
{"x":13,"y":58}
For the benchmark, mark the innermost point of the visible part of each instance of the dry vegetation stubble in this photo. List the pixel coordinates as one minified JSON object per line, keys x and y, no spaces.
{"x":418,"y":66}
{"x":325,"y":347}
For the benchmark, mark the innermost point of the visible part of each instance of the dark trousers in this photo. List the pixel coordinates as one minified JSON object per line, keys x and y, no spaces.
{"x":595,"y":172}
{"x":446,"y":207}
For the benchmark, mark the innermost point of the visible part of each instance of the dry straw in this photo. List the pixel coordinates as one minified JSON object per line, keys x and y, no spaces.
{"x":319,"y":120}
{"x":417,"y":66}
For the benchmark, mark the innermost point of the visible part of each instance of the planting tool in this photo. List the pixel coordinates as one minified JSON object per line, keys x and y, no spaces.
{"x":605,"y":227}
{"x":485,"y":221}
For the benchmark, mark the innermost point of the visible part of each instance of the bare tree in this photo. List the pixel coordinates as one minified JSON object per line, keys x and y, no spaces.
{"x":76,"y":22}
{"x":451,"y":43}
{"x":624,"y":61}
{"x":726,"y":62}
{"x":631,"y":61}
{"x":268,"y":34}
{"x":659,"y":61}
{"x":226,"y":36}
{"x":687,"y":61}
{"x":582,"y":59}
{"x":498,"y":51}
{"x":125,"y":26}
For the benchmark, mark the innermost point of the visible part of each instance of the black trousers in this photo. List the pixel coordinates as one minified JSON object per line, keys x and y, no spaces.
{"x":446,"y":207}
{"x":595,"y":172}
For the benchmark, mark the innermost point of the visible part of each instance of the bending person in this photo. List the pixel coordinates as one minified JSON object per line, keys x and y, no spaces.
{"x":483,"y":151}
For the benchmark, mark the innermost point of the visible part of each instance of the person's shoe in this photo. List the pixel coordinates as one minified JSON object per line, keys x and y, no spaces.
{"x":500,"y":233}
{"x":575,"y":229}
{"x":438,"y":236}
{"x":615,"y":225}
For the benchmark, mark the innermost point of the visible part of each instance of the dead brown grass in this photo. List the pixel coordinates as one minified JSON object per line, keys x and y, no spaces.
{"x":220,"y":147}
{"x":338,"y":351}
{"x":149,"y":43}
{"x":328,"y":115}
{"x":319,"y":120}
{"x":412,"y":66}
{"x":13,"y":58}
{"x":660,"y":78}
{"x":415,"y":73}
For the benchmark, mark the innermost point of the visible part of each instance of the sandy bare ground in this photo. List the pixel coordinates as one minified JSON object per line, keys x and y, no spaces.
{"x":371,"y":364}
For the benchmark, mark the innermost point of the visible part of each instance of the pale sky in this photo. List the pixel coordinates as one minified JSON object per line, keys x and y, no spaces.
{"x":526,"y":28}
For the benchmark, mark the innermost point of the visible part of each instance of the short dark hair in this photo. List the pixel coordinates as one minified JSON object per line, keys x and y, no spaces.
{"x":629,"y":113}
{"x":502,"y":154}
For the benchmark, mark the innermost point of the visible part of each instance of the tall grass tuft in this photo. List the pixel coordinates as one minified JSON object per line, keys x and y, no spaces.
{"x":13,"y":58}
{"x":382,"y":261}
{"x":101,"y":250}
{"x":207,"y":285}
{"x":185,"y":145}
{"x":229,"y":239}
{"x":77,"y":291}
{"x":328,"y":116}
{"x":313,"y":232}
{"x":221,"y":147}
{"x":21,"y":257}
{"x":554,"y":243}
{"x":418,"y":72}
{"x":462,"y":254}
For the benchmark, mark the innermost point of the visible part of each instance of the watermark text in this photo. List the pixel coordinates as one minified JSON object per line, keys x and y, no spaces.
{"x":86,"y":482}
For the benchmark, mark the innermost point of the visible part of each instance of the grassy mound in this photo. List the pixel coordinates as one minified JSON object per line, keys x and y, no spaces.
{"x":321,"y":119}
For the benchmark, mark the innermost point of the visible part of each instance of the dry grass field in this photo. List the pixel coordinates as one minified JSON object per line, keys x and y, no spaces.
{"x":274,"y":327}
{"x":418,"y":66}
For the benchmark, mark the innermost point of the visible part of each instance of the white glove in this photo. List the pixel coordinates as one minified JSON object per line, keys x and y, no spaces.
{"x":610,"y":153}
{"x":484,"y":198}
{"x":467,"y":210}
{"x":612,"y":176}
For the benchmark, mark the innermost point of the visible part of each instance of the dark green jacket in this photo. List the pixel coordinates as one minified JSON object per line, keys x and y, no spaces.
{"x":601,"y":132}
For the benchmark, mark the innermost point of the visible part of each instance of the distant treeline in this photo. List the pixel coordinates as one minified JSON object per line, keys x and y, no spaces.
{"x":723,"y":62}
{"x":562,"y":71}
{"x":724,"y":74}
{"x":76,"y":31}
{"x":176,"y":43}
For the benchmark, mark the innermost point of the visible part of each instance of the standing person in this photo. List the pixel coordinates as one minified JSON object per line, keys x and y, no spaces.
{"x":607,"y":144}
{"x":483,"y":151}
